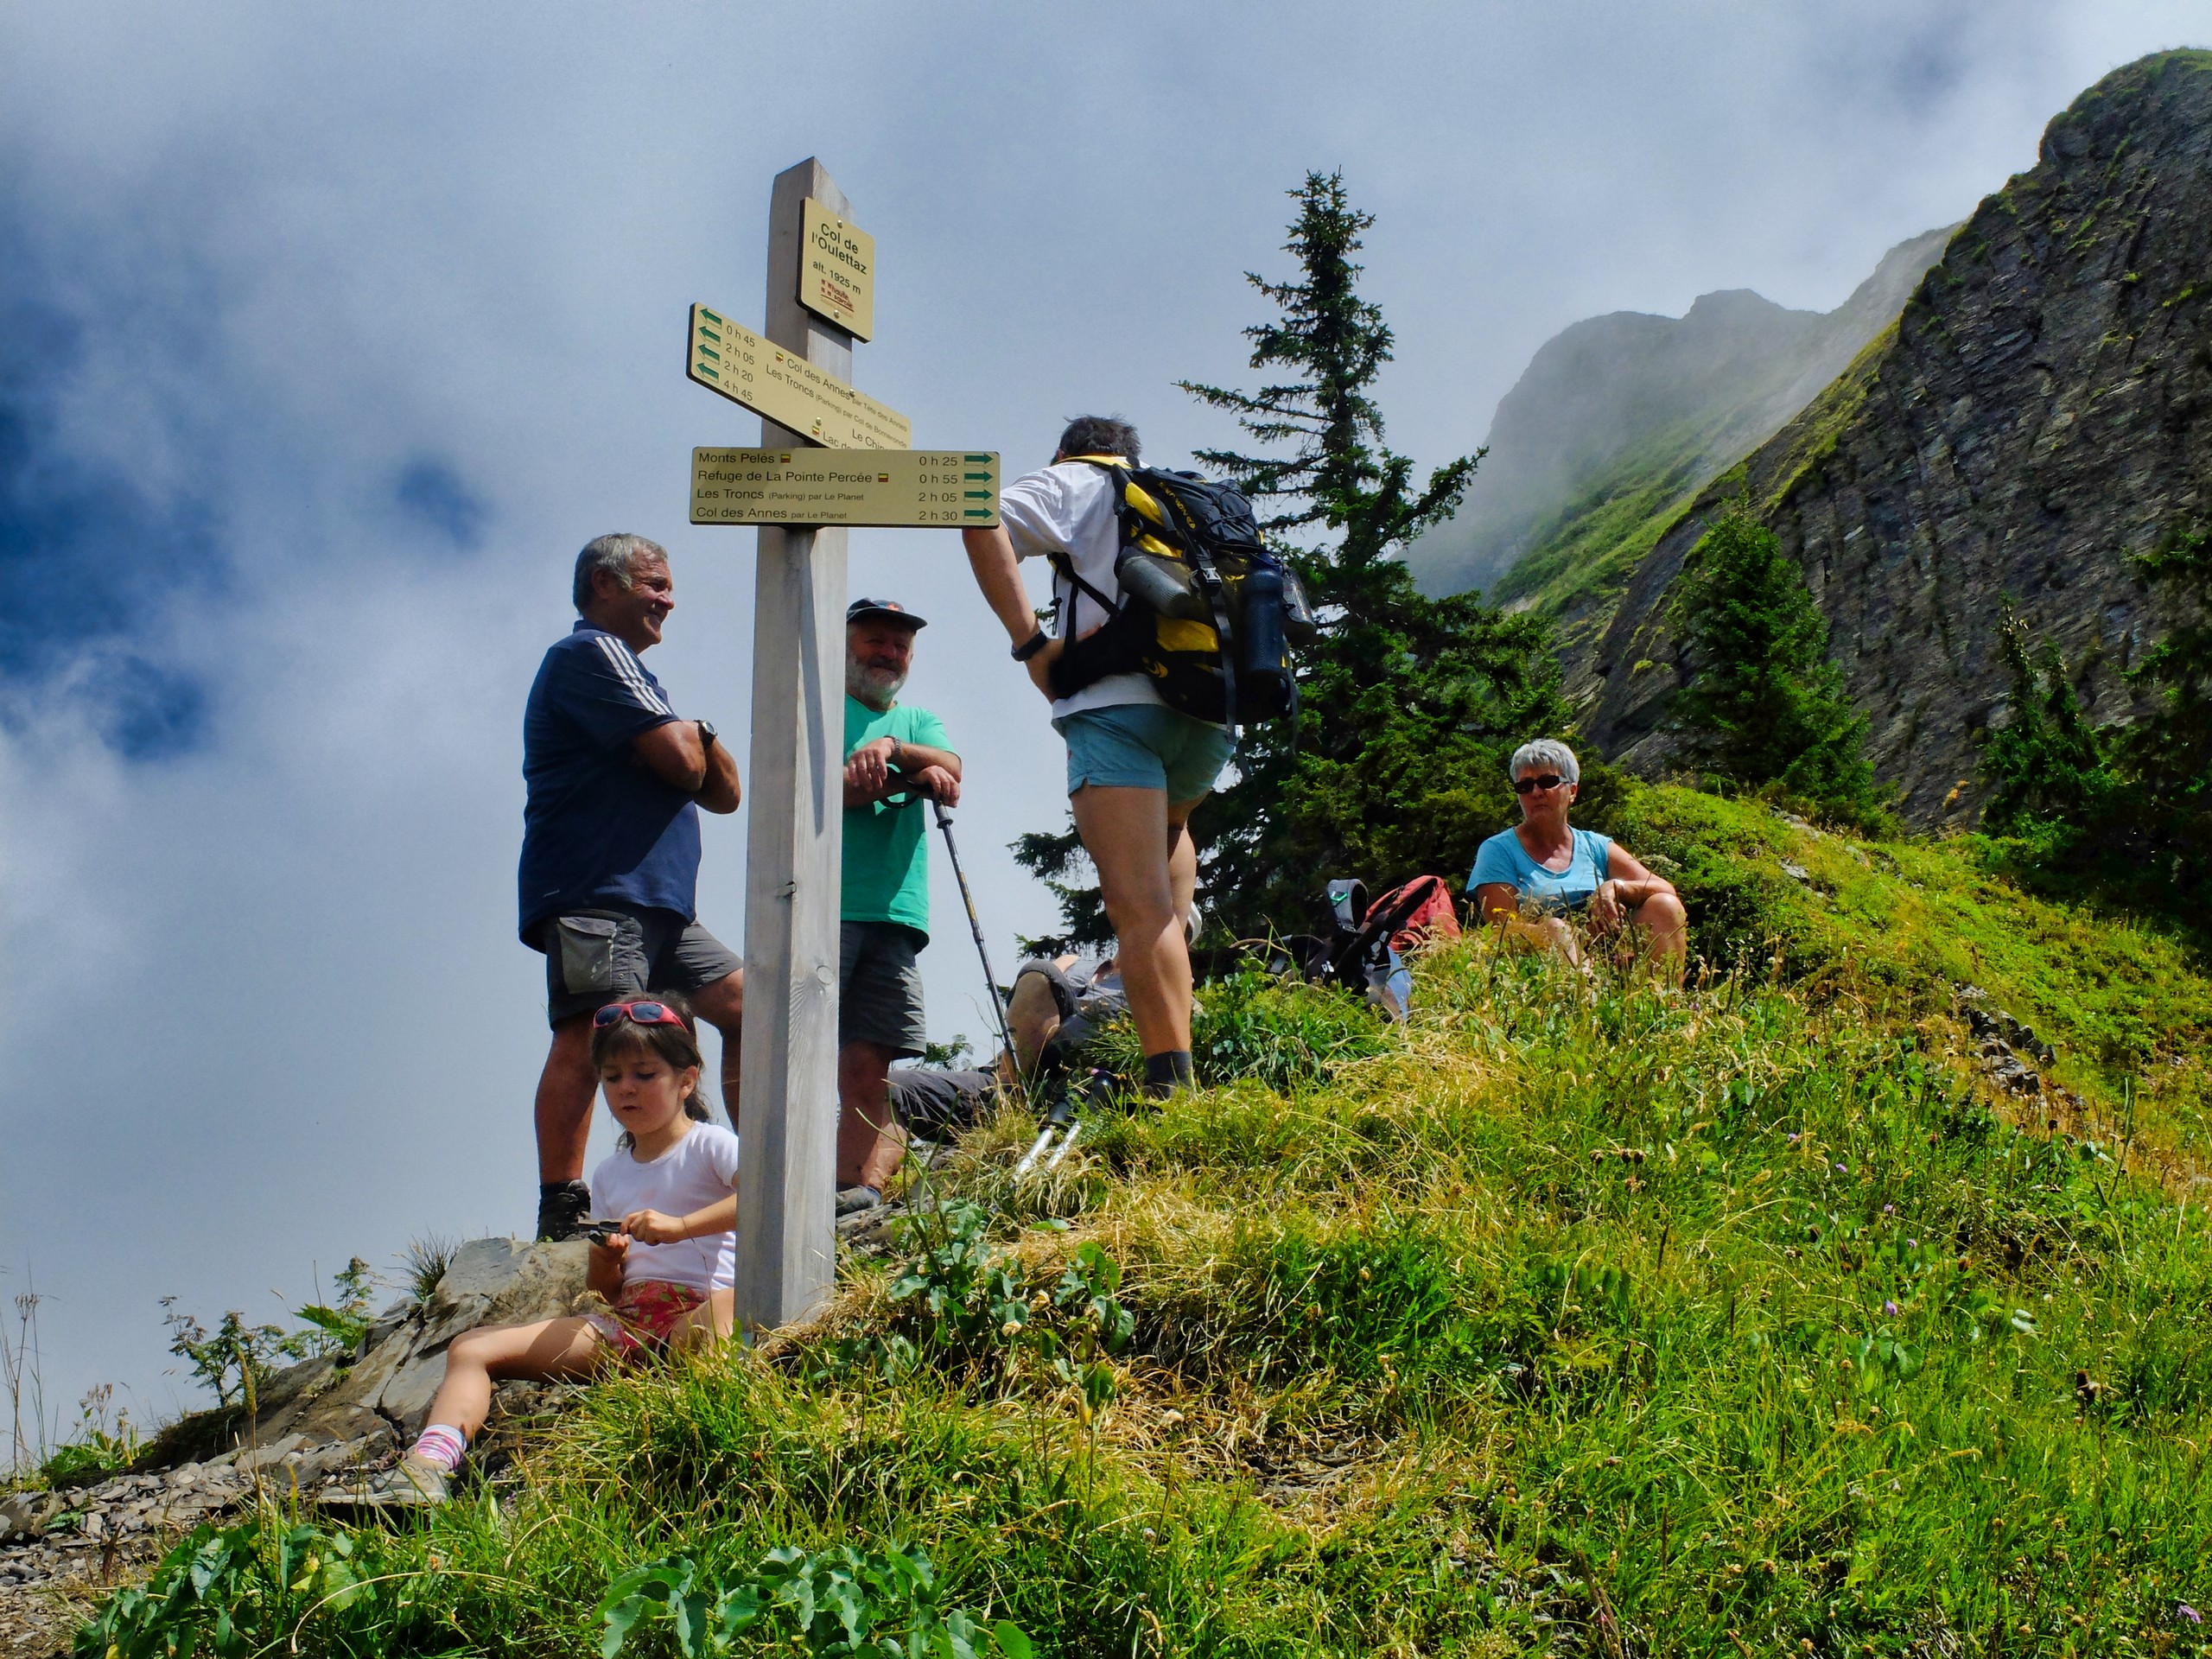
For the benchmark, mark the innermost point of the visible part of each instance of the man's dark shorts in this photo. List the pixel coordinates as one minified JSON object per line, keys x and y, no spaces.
{"x":596,"y":957}
{"x":879,"y":987}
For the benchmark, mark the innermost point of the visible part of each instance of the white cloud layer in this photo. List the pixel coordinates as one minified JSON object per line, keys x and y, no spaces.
{"x":263,"y":1006}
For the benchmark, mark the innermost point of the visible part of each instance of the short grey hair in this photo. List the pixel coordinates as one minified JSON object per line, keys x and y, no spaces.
{"x":1545,"y":752}
{"x":618,"y":554}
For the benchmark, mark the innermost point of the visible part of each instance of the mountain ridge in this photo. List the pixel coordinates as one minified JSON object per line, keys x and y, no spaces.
{"x":2042,"y":408}
{"x":1619,"y":417}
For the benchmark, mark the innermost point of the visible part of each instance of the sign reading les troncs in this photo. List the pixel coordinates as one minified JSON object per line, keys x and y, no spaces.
{"x":788,"y":390}
{"x":836,"y":270}
{"x":943,"y":488}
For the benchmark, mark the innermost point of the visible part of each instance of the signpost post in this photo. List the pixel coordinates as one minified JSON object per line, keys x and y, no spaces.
{"x":829,"y":457}
{"x":786,"y":1197}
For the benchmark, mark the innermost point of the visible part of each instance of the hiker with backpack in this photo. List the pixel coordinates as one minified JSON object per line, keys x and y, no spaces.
{"x":1545,"y":868}
{"x":1170,"y":629}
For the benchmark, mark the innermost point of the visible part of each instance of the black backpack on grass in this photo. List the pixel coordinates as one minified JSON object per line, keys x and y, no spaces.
{"x":1205,"y":611}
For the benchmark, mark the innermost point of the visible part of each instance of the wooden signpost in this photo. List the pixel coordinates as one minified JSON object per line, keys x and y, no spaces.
{"x":786,"y":1196}
{"x":828,"y":457}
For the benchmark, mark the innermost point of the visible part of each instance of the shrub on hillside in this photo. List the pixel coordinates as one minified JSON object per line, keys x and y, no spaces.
{"x":1763,"y":705}
{"x":2125,"y":807}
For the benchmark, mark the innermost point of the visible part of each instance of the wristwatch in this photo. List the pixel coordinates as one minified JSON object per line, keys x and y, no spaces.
{"x":707,"y":734}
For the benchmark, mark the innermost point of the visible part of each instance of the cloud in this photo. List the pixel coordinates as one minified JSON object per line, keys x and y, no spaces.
{"x":326,"y":337}
{"x":432,"y":493}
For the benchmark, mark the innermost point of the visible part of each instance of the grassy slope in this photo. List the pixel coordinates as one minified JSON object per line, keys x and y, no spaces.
{"x":1570,"y":1318}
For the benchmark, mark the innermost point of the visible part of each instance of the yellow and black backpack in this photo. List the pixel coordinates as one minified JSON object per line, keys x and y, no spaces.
{"x":1206,"y":612}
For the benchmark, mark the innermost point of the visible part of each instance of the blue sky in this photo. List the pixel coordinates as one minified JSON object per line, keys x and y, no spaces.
{"x":328,"y":335}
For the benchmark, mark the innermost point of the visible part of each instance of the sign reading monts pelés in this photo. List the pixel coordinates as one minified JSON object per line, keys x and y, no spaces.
{"x":939,"y":488}
{"x":836,"y":270}
{"x":786,"y":389}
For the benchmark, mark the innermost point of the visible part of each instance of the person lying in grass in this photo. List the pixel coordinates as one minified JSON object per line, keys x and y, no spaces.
{"x":1544,"y":866}
{"x":666,"y":1274}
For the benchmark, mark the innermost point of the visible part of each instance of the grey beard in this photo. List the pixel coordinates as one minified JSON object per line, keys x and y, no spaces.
{"x":872,"y":686}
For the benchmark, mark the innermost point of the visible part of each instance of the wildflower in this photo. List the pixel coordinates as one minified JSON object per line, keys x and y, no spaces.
{"x":2189,"y":1612}
{"x":1912,"y":1243}
{"x":1889,"y":1308}
{"x":1793,"y":1137}
{"x":1889,"y":1209}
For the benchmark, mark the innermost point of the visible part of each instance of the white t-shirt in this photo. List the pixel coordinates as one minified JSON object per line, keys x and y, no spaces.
{"x":699,"y":1170}
{"x":1069,"y":508}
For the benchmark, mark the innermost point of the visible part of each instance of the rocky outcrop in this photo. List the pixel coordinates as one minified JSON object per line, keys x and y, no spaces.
{"x":313,"y":1425}
{"x":2042,"y":408}
{"x":1616,"y":406}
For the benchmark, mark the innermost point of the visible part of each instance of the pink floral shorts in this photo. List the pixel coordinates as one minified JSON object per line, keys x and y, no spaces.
{"x":645,"y":1314}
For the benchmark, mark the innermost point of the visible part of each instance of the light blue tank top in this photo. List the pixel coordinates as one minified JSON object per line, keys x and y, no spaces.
{"x":1502,"y":859}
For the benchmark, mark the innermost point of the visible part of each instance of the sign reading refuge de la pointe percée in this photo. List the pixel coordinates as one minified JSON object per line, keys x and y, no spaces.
{"x":919,"y":488}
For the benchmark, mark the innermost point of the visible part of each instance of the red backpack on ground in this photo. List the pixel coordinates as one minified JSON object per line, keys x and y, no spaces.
{"x":1365,"y":953}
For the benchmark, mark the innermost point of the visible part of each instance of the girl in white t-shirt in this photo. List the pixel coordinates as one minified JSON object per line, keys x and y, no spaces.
{"x":666,"y":1272}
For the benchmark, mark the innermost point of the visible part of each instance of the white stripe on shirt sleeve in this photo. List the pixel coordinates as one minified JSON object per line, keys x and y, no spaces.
{"x":627,"y":669}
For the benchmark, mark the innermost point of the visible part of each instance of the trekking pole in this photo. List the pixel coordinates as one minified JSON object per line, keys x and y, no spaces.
{"x":976,"y":926}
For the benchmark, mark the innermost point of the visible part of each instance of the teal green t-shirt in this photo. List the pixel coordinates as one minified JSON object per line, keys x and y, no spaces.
{"x":887,"y":872}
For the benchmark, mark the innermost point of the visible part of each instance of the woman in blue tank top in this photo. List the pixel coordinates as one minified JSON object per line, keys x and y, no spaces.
{"x":1545,"y":865}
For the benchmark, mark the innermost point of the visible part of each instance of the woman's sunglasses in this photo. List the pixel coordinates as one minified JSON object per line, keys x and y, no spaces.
{"x":639,"y":1014}
{"x":1549,"y":780}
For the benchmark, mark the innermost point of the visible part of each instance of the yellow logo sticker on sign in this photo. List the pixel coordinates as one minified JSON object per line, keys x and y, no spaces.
{"x":937,"y":488}
{"x":788,"y":390}
{"x":836,"y":270}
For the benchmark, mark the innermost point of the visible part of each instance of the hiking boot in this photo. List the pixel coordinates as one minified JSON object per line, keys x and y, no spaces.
{"x":563,"y":1207}
{"x":412,"y":1483}
{"x":851,"y":1200}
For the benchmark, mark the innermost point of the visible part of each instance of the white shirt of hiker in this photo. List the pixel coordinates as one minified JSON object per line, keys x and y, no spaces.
{"x":1069,"y":508}
{"x":698,"y":1171}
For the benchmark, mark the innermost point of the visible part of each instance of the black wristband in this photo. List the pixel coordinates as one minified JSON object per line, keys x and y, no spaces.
{"x":1030,"y":646}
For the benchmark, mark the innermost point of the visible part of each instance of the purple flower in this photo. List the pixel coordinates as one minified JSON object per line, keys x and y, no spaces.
{"x":1889,"y":1308}
{"x":1889,"y":1209}
{"x":2189,"y":1612}
{"x":1793,"y":1137}
{"x":1912,"y":1243}
{"x":1842,"y":1170}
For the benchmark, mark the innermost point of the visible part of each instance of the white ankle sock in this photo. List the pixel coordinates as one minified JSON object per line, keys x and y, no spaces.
{"x":441,"y":1445}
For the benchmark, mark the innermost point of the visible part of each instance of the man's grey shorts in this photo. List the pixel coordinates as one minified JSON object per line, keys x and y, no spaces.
{"x":1143,"y":746}
{"x":600,"y":956}
{"x":879,"y":987}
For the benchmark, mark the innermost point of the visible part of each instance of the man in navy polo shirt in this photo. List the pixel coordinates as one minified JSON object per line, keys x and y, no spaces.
{"x":610,"y":848}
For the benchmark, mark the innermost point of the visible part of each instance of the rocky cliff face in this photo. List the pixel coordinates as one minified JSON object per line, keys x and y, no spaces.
{"x":2042,"y":408}
{"x":1619,"y":406}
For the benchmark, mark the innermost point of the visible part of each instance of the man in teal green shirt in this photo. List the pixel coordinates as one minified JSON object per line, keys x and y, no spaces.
{"x":896,"y":757}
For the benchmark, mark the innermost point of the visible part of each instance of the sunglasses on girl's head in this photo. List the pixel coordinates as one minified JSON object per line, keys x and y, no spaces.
{"x":639,"y":1014}
{"x":1549,"y":780}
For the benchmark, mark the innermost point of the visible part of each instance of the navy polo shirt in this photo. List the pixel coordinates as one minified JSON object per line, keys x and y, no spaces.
{"x":600,"y":826}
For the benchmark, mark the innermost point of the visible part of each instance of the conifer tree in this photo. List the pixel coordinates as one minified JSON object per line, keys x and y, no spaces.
{"x":2167,"y":757}
{"x":2046,"y":765}
{"x":1410,"y":706}
{"x":1764,"y":705}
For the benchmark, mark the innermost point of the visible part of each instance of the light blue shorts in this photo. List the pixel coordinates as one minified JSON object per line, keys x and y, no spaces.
{"x":1143,"y":746}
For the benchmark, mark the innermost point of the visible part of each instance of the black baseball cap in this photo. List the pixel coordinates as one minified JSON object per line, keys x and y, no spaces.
{"x":861,"y":609}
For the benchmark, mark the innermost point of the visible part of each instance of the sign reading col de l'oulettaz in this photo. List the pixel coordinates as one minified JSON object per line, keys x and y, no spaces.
{"x":897,"y":488}
{"x":770,"y":381}
{"x":836,"y":270}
